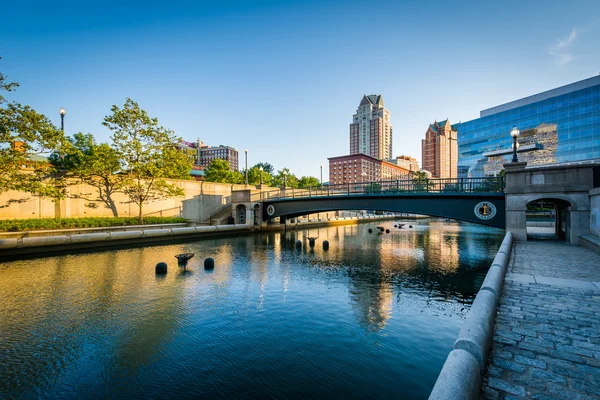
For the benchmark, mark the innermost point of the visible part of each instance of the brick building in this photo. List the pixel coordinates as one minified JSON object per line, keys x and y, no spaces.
{"x":363,"y":168}
{"x":407,"y":162}
{"x":439,"y":150}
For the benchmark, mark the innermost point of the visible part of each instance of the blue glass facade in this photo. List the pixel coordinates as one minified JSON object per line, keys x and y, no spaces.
{"x":575,"y":109}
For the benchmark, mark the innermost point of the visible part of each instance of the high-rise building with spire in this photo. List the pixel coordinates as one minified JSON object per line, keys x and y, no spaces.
{"x":371,"y":130}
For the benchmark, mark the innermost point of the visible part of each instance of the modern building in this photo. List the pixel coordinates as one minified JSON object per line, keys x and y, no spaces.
{"x":407,"y":162}
{"x":371,"y":130}
{"x":571,"y":111}
{"x":439,"y":150}
{"x":363,"y":168}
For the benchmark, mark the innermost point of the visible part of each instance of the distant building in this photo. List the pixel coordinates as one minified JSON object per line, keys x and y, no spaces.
{"x":407,"y":162}
{"x":363,"y":168}
{"x":572,"y":110}
{"x":205,"y":154}
{"x":371,"y":130}
{"x":439,"y":150}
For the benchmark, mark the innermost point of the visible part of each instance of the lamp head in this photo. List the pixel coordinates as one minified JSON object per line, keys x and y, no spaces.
{"x":515,"y":132}
{"x":260,"y":169}
{"x":245,"y":150}
{"x":62,"y":111}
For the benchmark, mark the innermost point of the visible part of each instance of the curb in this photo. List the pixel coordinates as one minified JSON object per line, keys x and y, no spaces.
{"x":463,"y":370}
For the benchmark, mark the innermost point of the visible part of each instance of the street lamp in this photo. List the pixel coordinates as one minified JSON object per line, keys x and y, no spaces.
{"x":261,"y":171}
{"x":515,"y":134}
{"x":321,"y":174}
{"x":62,"y":113}
{"x":284,"y":179}
{"x":246,"y":152}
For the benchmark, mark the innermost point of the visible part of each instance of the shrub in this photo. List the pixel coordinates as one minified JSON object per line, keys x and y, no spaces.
{"x":16,"y":225}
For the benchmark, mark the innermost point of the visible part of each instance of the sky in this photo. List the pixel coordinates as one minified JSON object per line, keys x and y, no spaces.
{"x":283,"y":78}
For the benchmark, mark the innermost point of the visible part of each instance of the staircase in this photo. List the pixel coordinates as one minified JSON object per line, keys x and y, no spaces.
{"x":219,"y":214}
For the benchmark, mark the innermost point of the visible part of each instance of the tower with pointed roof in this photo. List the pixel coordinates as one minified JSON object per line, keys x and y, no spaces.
{"x":371,"y":130}
{"x":439,"y":150}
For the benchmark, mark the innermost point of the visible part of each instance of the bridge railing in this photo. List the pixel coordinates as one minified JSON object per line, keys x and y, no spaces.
{"x":422,"y":185}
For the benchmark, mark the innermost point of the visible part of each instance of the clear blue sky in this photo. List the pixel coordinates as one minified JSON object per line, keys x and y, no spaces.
{"x":284,"y":78}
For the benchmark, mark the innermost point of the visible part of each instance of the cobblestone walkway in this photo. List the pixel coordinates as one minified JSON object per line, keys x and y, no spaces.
{"x":546,"y":342}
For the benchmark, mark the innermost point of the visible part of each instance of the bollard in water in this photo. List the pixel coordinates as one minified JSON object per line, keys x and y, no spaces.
{"x":311,"y":242}
{"x":161,"y":268}
{"x":410,"y":226}
{"x":387,"y":231}
{"x":209,"y":263}
{"x":298,"y":244}
{"x":325,"y":244}
{"x":370,"y":230}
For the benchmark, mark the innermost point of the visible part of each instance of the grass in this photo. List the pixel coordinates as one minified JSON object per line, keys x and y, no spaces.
{"x":17,"y":225}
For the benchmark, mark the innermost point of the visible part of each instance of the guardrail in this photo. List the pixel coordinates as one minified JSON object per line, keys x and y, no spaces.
{"x":167,"y":212}
{"x":448,"y":185}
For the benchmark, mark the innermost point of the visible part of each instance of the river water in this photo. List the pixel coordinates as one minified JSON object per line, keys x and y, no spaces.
{"x":373,"y":317}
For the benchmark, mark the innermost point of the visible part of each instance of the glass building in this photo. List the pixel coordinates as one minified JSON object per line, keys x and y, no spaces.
{"x":558,"y":125}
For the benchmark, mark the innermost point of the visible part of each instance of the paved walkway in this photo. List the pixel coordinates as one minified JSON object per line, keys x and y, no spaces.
{"x":546,"y":342}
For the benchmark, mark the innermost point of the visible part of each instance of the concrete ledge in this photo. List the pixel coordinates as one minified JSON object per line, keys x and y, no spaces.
{"x":156,"y":232}
{"x":476,"y":333}
{"x":494,"y":280}
{"x":43,"y":241}
{"x":183,"y":231}
{"x":460,"y":378}
{"x":126,"y":235}
{"x":590,"y":241}
{"x":89,"y":237}
{"x":463,"y":370}
{"x":8,"y":243}
{"x":207,"y":228}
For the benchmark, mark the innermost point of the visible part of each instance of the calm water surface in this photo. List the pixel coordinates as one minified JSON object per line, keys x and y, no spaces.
{"x":373,"y":317}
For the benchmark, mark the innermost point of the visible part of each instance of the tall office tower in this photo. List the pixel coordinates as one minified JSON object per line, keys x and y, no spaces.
{"x":439,"y":150}
{"x":371,"y":130}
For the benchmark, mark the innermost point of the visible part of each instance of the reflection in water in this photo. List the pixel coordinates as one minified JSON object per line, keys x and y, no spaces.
{"x":269,"y":320}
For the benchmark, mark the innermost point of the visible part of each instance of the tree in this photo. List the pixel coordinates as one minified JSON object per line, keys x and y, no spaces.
{"x":268,"y":168}
{"x":97,"y":165}
{"x":420,"y":181}
{"x":147,"y":155}
{"x":24,"y":136}
{"x":308,"y":181}
{"x":254,"y":175}
{"x":290,"y":179}
{"x":218,"y":171}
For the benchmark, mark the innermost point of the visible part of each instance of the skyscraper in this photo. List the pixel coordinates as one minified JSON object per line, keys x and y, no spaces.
{"x":439,"y":150}
{"x":371,"y":130}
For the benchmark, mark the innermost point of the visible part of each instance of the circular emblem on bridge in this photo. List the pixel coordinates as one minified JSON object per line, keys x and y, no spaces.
{"x":485,"y":210}
{"x":271,"y":210}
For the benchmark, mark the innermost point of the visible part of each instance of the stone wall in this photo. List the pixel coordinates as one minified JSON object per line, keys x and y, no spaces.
{"x":199,"y":201}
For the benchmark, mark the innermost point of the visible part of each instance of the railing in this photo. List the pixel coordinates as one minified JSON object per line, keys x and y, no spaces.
{"x":220,"y":213}
{"x":167,"y":212}
{"x":448,"y":185}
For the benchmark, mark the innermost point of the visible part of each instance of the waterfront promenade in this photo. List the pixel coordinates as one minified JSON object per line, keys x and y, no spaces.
{"x":546,"y":342}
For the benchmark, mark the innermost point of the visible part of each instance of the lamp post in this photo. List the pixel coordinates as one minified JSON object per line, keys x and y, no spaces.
{"x":62,"y":113}
{"x":515,"y":134}
{"x":284,"y":179}
{"x":261,"y":171}
{"x":246,"y":170}
{"x":321,"y":174}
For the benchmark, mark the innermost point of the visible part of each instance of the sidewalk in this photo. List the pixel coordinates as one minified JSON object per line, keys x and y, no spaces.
{"x":546,"y":342}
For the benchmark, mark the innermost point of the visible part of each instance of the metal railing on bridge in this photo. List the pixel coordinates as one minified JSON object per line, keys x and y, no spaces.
{"x":447,"y":185}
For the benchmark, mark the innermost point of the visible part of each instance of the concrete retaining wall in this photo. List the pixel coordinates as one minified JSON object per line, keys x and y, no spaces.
{"x":463,"y":370}
{"x":595,"y":211}
{"x":44,"y":244}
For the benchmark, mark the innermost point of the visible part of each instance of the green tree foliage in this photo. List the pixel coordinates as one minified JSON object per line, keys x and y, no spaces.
{"x":284,"y":175}
{"x":24,"y":134}
{"x":420,"y":181}
{"x":308,"y":181}
{"x":147,"y":155}
{"x":218,"y":171}
{"x":268,"y":168}
{"x":97,"y":165}
{"x":254,"y":175}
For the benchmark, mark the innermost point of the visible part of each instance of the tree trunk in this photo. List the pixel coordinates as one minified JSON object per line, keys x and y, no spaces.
{"x":141,"y":215}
